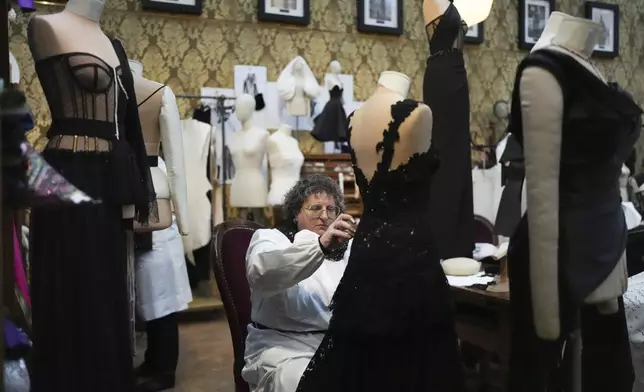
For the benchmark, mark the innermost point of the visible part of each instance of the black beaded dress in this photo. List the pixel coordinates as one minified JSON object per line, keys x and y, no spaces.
{"x":392,"y":327}
{"x":331,"y":124}
{"x":81,"y":326}
{"x":601,"y":124}
{"x":446,"y":92}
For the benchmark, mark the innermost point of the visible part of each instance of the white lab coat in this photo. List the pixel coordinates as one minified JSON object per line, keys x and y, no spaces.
{"x":162,"y":285}
{"x":291,"y":288}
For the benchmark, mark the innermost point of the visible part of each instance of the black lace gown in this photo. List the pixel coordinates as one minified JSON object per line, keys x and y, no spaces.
{"x":446,"y":92}
{"x":392,"y":327}
{"x":81,"y":327}
{"x":600,"y":126}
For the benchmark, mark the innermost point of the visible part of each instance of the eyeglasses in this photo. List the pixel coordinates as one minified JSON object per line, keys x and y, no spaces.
{"x":316,"y":211}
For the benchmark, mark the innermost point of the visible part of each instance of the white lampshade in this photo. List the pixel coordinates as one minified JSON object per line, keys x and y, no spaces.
{"x":473,"y":11}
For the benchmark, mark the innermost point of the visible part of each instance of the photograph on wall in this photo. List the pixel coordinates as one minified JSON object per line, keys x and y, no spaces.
{"x":285,"y":11}
{"x":474,"y":34}
{"x":194,"y":7}
{"x":533,"y":16}
{"x":607,"y":15}
{"x":380,"y":16}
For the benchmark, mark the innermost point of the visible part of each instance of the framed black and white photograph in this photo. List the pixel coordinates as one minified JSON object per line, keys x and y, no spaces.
{"x":380,"y":16}
{"x":533,"y":16}
{"x":297,"y":12}
{"x":194,"y":7}
{"x":475,"y":34}
{"x":606,"y":15}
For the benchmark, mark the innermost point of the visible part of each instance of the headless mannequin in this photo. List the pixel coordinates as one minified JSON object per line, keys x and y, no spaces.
{"x":375,"y":114}
{"x":285,"y":160}
{"x":248,"y":149}
{"x":472,"y":11}
{"x":75,"y":29}
{"x":161,"y":123}
{"x":542,"y":113}
{"x":333,"y":78}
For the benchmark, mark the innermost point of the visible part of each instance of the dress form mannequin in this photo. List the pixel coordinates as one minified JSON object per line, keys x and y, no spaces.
{"x":576,"y":275}
{"x":285,"y":160}
{"x":248,"y":149}
{"x":81,"y":256}
{"x":331,"y":124}
{"x":472,"y":11}
{"x":161,"y":126}
{"x":297,"y":86}
{"x":375,"y":113}
{"x":333,"y":79}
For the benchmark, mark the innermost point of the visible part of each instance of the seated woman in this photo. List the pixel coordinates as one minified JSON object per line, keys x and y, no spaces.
{"x":293,"y":272}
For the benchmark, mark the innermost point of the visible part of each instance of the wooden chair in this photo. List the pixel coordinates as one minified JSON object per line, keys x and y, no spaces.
{"x":230,"y":242}
{"x":484,"y":231}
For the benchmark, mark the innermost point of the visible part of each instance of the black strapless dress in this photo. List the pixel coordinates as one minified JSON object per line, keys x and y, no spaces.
{"x":331,"y":124}
{"x":392,"y":327}
{"x":81,"y":320}
{"x":446,"y":92}
{"x":601,"y":124}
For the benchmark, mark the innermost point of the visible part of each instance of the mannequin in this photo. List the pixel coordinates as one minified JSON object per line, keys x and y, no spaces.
{"x":286,"y":160}
{"x":592,"y":276}
{"x":472,"y":11}
{"x":415,"y":133}
{"x":297,"y":85}
{"x":331,"y":124}
{"x":393,"y":263}
{"x":161,"y":126}
{"x":80,"y":255}
{"x":248,"y":149}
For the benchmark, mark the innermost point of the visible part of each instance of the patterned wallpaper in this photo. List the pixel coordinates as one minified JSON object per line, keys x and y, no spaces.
{"x":190,"y":52}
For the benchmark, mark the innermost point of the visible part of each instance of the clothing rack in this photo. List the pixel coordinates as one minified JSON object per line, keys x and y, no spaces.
{"x":223,"y":112}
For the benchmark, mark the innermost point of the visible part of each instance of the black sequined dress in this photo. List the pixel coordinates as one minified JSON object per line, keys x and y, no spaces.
{"x":446,"y":92}
{"x":331,"y":125}
{"x":392,"y":327}
{"x":601,"y":123}
{"x":81,"y":326}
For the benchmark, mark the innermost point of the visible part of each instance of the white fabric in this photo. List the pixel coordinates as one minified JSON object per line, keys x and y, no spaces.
{"x":196,"y":143}
{"x":487,"y":190}
{"x":285,"y":160}
{"x":173,"y":154}
{"x":162,"y":285}
{"x":298,"y":90}
{"x":14,"y":72}
{"x":291,"y":288}
{"x":466,"y":281}
{"x":633,"y":218}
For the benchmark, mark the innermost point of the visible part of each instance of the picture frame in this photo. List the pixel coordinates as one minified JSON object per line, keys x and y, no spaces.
{"x":192,"y":7}
{"x":475,"y":34}
{"x":533,"y":16}
{"x":295,"y":12}
{"x":380,"y":17}
{"x":608,"y":16}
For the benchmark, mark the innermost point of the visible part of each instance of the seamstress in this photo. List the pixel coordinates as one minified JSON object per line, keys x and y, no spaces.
{"x":293,"y":272}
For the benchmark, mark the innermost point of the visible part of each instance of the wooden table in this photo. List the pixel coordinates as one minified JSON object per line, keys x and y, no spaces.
{"x":483,"y":321}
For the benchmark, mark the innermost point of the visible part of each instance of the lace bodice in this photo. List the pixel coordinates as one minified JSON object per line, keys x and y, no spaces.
{"x":405,"y":187}
{"x":447,"y":32}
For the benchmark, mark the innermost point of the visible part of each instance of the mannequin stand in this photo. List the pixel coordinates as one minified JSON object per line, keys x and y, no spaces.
{"x":502,"y":283}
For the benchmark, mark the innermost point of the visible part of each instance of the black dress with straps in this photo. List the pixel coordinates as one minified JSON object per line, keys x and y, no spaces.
{"x":601,"y":123}
{"x":392,"y":327}
{"x":81,"y":323}
{"x":446,"y":92}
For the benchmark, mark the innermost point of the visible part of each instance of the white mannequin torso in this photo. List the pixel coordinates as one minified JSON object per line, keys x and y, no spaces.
{"x":285,"y":160}
{"x":248,"y":150}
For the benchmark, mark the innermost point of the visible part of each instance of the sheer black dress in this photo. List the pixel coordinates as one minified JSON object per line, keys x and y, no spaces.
{"x":331,"y":125}
{"x":78,"y":253}
{"x":392,"y":327}
{"x":446,"y":92}
{"x":600,"y":126}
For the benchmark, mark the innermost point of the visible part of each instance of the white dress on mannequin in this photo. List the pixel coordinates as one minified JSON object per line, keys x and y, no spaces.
{"x":196,"y":143}
{"x":162,"y":285}
{"x":297,"y":85}
{"x":248,"y":150}
{"x":285,"y":160}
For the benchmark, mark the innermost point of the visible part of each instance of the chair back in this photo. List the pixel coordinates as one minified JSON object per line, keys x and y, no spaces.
{"x":484,"y":231}
{"x":230,"y":242}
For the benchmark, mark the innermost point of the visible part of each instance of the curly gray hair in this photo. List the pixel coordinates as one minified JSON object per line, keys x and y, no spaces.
{"x":313,"y":184}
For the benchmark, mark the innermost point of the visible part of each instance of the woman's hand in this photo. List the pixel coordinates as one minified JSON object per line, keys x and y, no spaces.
{"x":342,"y":229}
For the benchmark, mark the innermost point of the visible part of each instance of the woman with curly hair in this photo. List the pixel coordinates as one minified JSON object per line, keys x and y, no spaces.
{"x":293,"y":272}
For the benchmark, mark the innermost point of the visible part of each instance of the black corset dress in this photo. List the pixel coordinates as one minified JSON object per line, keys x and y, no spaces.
{"x":331,"y":125}
{"x":446,"y":92}
{"x":392,"y":327}
{"x":600,"y":127}
{"x":79,"y":267}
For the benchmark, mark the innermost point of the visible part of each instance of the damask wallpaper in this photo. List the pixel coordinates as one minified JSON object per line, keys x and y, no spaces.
{"x":189,"y":52}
